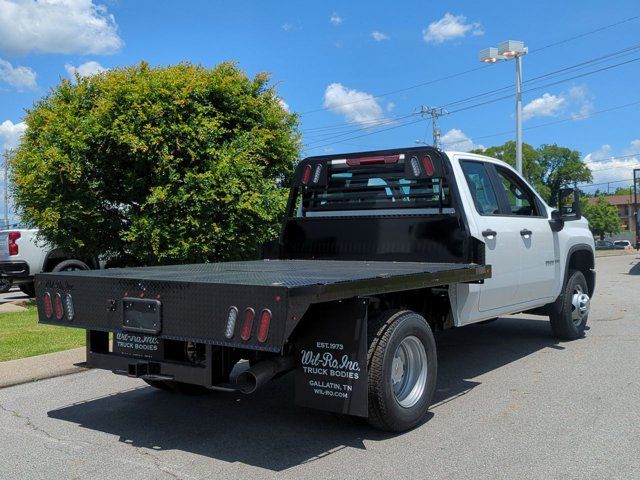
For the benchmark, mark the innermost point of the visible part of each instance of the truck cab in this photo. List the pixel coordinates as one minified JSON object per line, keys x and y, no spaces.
{"x":529,"y":253}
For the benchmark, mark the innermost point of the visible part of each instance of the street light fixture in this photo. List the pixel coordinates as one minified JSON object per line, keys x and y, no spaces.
{"x":511,"y":49}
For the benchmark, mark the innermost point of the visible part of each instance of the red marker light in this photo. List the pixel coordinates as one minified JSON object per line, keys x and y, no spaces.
{"x":263,"y":326}
{"x":48,"y":305}
{"x":57,"y":305}
{"x":306,"y":176}
{"x":428,"y":165}
{"x":247,"y":324}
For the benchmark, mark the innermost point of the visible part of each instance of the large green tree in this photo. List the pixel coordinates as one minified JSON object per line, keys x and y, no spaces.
{"x":150,"y":165}
{"x":603,"y":217}
{"x":548,"y":168}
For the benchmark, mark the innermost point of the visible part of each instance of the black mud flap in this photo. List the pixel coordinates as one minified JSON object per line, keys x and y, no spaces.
{"x":331,"y":358}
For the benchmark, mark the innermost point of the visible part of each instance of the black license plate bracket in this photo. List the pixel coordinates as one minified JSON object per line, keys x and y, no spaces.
{"x":141,"y":315}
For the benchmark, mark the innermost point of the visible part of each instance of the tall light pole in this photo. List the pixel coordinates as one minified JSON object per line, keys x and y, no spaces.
{"x":511,"y":49}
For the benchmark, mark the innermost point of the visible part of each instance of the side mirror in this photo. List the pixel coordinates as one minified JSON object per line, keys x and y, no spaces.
{"x":556,"y":222}
{"x":569,"y":204}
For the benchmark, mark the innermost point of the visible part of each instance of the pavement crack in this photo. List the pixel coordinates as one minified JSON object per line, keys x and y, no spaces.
{"x":29,"y":423}
{"x":159,"y":464}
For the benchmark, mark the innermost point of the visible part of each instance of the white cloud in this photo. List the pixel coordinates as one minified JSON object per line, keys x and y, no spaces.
{"x":84,"y":70}
{"x":450,"y":27}
{"x":10,"y":134}
{"x":57,"y":26}
{"x":390,"y":106}
{"x":582,"y":100}
{"x":578,"y":100}
{"x":284,"y":105}
{"x":605,"y":167}
{"x":379,"y":36}
{"x":291,"y":27}
{"x":633,"y":149}
{"x":354,"y":105}
{"x":336,"y":19}
{"x":545,"y":106}
{"x":19,"y":77}
{"x":456,"y":139}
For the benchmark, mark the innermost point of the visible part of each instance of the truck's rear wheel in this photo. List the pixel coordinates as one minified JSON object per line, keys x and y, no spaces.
{"x":569,"y":313}
{"x":402,"y":367}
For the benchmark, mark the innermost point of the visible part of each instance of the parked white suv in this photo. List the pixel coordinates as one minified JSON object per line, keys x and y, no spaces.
{"x":23,"y":254}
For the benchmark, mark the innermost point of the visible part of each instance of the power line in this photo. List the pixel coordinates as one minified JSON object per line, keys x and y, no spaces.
{"x":459,"y":74}
{"x":383,"y":120}
{"x":469,"y":107}
{"x":591,"y":32}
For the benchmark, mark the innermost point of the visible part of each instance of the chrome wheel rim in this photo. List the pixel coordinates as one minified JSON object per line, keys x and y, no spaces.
{"x":409,"y":372}
{"x":580,"y":304}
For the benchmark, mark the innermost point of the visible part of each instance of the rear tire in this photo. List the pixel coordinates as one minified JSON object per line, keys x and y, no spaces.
{"x":70,"y":265}
{"x":29,"y":289}
{"x":402,"y":367}
{"x":570,"y":312}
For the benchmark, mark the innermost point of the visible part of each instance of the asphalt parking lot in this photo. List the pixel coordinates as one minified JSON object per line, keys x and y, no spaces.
{"x":511,"y":402}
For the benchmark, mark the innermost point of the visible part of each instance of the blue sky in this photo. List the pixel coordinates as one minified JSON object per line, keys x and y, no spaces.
{"x":336,"y":62}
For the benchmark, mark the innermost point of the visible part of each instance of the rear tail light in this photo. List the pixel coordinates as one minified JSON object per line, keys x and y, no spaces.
{"x":263,"y":326}
{"x":247,"y":324}
{"x":428,"y":165}
{"x":48,"y":305}
{"x":306,"y":175}
{"x":57,"y":306}
{"x":13,"y":246}
{"x":68,"y":306}
{"x":231,"y":322}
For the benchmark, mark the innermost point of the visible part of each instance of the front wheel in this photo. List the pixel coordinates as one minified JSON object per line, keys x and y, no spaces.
{"x":402,"y":370}
{"x":569,"y":313}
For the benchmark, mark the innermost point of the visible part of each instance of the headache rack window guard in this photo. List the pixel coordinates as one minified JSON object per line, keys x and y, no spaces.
{"x":384,"y":193}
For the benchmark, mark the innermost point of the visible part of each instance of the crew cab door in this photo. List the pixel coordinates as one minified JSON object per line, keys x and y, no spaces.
{"x":527,"y":217}
{"x":518,"y":239}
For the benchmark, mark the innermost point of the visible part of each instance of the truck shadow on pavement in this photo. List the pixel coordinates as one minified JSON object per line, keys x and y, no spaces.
{"x":266,"y":430}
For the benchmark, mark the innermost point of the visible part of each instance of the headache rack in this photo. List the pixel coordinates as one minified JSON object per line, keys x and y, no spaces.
{"x":397,"y":181}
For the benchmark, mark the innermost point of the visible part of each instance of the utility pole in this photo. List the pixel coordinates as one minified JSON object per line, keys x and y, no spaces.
{"x":434,"y":113}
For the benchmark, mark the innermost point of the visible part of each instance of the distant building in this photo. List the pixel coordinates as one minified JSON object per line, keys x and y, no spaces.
{"x":626,"y":211}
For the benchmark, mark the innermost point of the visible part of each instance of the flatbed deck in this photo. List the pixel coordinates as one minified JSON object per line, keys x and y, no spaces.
{"x":286,"y":273}
{"x":195,"y":299}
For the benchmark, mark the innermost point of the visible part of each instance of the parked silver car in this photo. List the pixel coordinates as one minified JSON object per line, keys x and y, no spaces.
{"x":23,"y":254}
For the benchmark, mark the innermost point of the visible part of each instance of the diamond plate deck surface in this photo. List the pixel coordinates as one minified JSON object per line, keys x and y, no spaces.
{"x":286,"y":273}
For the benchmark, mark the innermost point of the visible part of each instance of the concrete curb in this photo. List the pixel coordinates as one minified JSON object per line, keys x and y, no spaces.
{"x":30,"y":369}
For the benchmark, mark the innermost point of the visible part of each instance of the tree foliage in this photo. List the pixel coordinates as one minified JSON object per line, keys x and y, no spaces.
{"x":603,"y":217}
{"x":548,"y":168}
{"x":157,"y":165}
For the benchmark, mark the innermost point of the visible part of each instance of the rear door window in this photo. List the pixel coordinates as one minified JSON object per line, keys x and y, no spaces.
{"x":479,"y":182}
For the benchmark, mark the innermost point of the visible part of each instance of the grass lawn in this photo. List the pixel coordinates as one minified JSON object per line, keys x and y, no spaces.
{"x":22,"y":336}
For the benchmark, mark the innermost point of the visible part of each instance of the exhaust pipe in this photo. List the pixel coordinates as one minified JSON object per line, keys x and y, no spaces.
{"x":253,"y":378}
